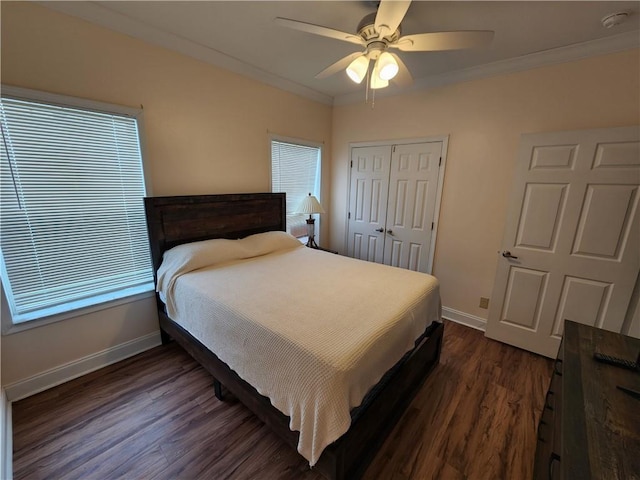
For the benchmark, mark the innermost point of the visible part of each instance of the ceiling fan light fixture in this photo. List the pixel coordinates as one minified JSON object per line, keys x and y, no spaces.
{"x":377,"y":83}
{"x":376,"y":80}
{"x":387,"y":66}
{"x":381,"y":31}
{"x":358,"y":69}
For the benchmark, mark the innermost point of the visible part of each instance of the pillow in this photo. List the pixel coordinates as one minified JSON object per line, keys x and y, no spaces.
{"x":188,"y":257}
{"x":269,"y":242}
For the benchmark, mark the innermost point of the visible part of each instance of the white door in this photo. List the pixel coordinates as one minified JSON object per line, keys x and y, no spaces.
{"x":369,"y":189}
{"x":413,"y":186}
{"x":571,"y":248}
{"x":392,"y":199}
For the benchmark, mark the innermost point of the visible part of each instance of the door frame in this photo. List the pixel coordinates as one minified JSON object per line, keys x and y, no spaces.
{"x":436,"y":209}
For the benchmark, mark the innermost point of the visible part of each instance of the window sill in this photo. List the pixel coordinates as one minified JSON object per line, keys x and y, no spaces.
{"x":9,"y":328}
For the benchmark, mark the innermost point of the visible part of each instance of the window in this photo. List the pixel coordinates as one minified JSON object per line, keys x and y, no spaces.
{"x":73,"y":229}
{"x":295,"y":170}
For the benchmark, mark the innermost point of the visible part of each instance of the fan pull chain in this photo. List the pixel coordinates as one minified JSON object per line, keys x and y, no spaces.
{"x":366,"y":91}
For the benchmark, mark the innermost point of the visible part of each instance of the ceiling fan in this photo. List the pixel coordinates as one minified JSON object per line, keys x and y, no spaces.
{"x":379,"y":32}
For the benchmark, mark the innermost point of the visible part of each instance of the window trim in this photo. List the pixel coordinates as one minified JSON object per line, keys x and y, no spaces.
{"x":68,"y":101}
{"x":7,"y":327}
{"x":306,"y":143}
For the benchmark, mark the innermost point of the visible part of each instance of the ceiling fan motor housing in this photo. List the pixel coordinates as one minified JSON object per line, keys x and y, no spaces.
{"x":375,"y":49}
{"x":367,"y":30}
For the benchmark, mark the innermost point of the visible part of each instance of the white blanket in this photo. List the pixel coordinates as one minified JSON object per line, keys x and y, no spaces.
{"x":310,"y":330}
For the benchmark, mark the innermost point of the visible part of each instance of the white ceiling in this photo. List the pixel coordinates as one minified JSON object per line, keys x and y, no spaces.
{"x":241,"y":36}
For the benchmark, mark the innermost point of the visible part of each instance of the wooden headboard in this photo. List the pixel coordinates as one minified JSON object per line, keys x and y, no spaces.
{"x":172,"y":221}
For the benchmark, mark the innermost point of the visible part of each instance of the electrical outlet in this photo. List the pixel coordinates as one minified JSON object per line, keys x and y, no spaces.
{"x":484,"y":302}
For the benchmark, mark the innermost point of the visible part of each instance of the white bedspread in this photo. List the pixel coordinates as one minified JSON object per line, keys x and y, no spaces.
{"x":310,"y":330}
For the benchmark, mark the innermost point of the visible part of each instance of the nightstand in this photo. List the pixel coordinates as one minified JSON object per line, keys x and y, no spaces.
{"x":325,"y":250}
{"x":303,"y":240}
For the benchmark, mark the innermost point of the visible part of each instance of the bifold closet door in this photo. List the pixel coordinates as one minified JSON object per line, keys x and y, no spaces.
{"x":369,"y":189}
{"x":392,"y":199}
{"x":413,"y":185}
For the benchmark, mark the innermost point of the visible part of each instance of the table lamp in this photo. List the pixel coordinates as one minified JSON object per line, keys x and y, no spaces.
{"x":310,"y":205}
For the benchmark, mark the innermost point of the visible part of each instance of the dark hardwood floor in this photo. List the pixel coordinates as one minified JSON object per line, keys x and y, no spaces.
{"x":154,"y":416}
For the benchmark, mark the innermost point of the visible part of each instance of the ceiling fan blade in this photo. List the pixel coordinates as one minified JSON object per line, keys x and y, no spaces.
{"x":390,"y":14}
{"x":429,"y":42}
{"x":403,"y":77}
{"x":341,"y":64}
{"x":319,"y":30}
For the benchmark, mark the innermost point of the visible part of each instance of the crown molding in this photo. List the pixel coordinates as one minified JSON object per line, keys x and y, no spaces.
{"x":570,"y":53}
{"x":104,"y":17}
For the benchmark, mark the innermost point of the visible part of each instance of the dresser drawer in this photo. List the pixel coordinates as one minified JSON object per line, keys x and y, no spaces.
{"x":584,"y":406}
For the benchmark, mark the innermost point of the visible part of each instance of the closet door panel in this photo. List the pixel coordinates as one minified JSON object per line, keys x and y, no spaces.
{"x":413,"y":184}
{"x":369,"y":189}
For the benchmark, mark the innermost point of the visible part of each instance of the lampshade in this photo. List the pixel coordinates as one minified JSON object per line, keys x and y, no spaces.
{"x":387,"y":66}
{"x":376,"y":80}
{"x":310,"y":205}
{"x":358,"y":69}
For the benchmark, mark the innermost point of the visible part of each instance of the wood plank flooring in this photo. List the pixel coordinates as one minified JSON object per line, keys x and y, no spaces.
{"x":154,"y":416}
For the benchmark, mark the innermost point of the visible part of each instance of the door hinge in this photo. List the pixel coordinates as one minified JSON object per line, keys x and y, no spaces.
{"x":440,"y":162}
{"x":351,"y":163}
{"x":431,"y":225}
{"x":349,"y":216}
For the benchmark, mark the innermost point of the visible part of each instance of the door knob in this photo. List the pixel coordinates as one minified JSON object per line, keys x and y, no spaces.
{"x":507,"y":254}
{"x":390,"y":232}
{"x":380,"y":229}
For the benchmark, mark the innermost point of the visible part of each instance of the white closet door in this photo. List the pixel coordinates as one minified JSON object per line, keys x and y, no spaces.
{"x":369,"y":190}
{"x":572,"y":240}
{"x":413,"y":186}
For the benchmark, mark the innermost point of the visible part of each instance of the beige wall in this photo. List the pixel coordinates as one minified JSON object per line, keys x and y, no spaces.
{"x":484,"y":120}
{"x":205,"y":131}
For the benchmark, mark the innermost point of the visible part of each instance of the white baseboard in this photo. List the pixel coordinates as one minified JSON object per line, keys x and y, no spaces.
{"x":463,"y":318}
{"x":63,"y":373}
{"x":6,"y":438}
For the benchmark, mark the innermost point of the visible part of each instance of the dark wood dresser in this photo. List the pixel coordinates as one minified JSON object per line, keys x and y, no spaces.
{"x":590,"y":428}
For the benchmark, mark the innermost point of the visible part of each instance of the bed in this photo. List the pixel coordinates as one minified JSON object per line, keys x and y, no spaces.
{"x":180,"y":221}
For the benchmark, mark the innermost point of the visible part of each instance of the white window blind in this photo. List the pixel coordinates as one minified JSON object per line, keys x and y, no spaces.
{"x":295,"y":170}
{"x":73,"y":229}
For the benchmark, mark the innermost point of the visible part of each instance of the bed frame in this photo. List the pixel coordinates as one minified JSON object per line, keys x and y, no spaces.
{"x":172,"y":221}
